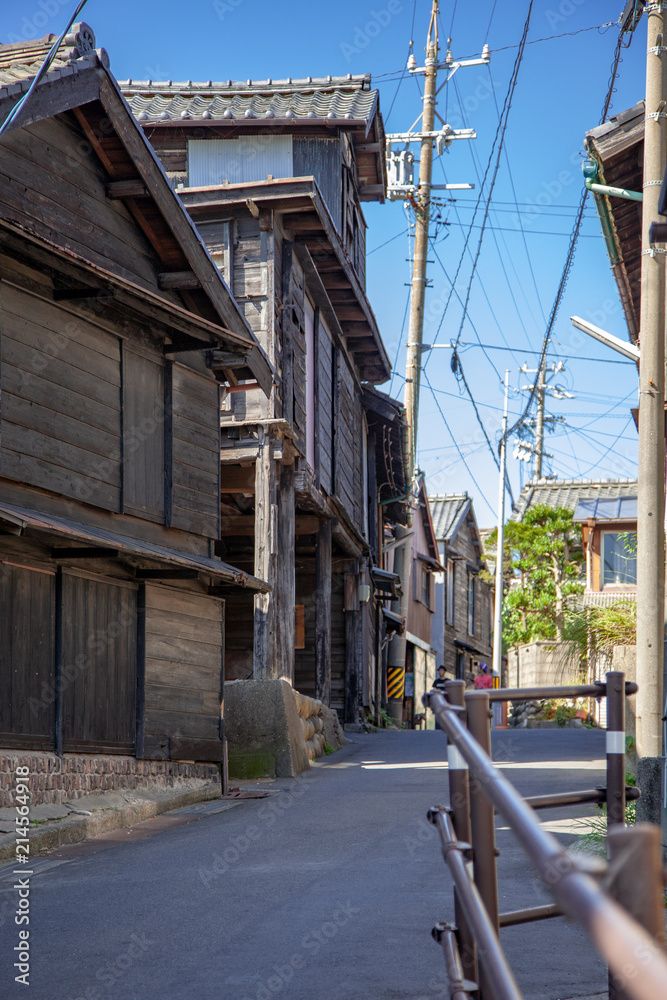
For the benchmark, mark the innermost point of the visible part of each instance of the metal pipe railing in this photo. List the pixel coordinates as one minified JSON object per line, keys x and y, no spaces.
{"x":491,"y":956}
{"x":629,"y":950}
{"x":597,"y":690}
{"x":558,"y":799}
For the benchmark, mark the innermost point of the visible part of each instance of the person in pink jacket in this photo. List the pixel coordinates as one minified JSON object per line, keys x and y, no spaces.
{"x":484,"y":678}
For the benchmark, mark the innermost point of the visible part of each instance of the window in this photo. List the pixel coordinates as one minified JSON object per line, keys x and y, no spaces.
{"x":239,"y":161}
{"x":619,"y":558}
{"x":471,"y":603}
{"x":449,"y":592}
{"x":426,"y":587}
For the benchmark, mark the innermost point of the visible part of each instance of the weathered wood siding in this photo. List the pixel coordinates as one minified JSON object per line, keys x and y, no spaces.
{"x":347,"y":441}
{"x":144,"y":433}
{"x":99,"y":664}
{"x":325,"y":394}
{"x":305,"y":659}
{"x":60,"y":401}
{"x":196,"y":452}
{"x":338,"y":644}
{"x":54,"y":186}
{"x":184,"y":663}
{"x":27,"y":620}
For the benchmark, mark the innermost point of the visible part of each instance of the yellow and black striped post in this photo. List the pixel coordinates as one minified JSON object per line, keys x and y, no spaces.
{"x":395,"y":683}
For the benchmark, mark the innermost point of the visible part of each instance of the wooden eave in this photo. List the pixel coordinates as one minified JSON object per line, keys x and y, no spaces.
{"x":619,"y":153}
{"x":306,"y":216}
{"x":384,"y":416}
{"x":136,"y":553}
{"x":92,"y":96}
{"x":66,"y":269}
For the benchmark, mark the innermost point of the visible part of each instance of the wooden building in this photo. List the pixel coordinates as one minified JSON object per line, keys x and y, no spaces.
{"x":274,"y":174}
{"x":463,"y":620}
{"x":117,"y":331}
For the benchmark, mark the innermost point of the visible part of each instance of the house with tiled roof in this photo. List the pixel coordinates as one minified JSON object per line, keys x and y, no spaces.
{"x":463,"y":607}
{"x":568,"y":492}
{"x":274,"y":174}
{"x":112,"y":610}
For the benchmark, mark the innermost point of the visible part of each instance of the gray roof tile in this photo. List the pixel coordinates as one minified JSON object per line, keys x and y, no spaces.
{"x":446,"y":512}
{"x":569,"y":492}
{"x":339,"y":99}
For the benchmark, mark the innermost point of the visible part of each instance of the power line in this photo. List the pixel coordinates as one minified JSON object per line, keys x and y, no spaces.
{"x":461,"y":455}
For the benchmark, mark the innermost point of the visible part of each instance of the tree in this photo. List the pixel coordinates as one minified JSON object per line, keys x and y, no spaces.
{"x":542,"y":569}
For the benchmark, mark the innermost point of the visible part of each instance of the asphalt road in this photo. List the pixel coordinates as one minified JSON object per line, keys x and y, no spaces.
{"x":328,"y":889}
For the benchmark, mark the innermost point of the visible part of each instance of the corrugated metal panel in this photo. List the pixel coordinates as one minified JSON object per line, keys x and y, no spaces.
{"x":322,"y":159}
{"x":243,"y":160}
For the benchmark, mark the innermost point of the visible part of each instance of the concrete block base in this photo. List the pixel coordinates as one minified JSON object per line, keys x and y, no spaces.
{"x":263,"y":729}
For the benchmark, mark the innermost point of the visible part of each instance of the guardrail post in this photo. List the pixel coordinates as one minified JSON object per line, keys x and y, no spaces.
{"x":635,"y":858}
{"x":483,"y":832}
{"x":615,"y":748}
{"x":459,"y":800}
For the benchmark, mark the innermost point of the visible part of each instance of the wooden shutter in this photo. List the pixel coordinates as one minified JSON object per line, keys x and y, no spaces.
{"x":143,"y":435}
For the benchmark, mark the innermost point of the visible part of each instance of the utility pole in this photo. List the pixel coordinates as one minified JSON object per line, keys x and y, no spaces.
{"x":651,"y":473}
{"x":500,"y":544}
{"x":401,"y":186}
{"x":420,"y":258}
{"x":539,"y":427}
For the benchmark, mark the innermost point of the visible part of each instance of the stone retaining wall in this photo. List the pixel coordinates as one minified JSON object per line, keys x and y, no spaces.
{"x":63,"y":779}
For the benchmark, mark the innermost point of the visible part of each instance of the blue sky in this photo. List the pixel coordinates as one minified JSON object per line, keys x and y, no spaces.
{"x":559,"y":94}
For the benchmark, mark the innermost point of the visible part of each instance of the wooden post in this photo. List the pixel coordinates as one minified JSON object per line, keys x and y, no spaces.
{"x":323,"y":613}
{"x":265,"y":556}
{"x":140,"y":696}
{"x":352,"y":616}
{"x":283,"y":582}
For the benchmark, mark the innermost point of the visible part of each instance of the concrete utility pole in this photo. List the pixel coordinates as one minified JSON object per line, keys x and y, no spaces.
{"x":500,"y":544}
{"x":651,"y":489}
{"x":420,"y":198}
{"x":539,"y":426}
{"x":420,"y":259}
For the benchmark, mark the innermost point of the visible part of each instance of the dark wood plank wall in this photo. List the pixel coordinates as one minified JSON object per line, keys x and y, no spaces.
{"x":294,"y":319}
{"x":27,"y":621}
{"x":347,"y":441}
{"x":338,"y":644}
{"x":239,"y":613}
{"x":325,"y":406}
{"x":184,"y":659}
{"x":54,"y":187}
{"x":196,"y":457}
{"x":304,"y":659}
{"x":143,"y":433}
{"x":61,"y":401}
{"x":99,"y":664}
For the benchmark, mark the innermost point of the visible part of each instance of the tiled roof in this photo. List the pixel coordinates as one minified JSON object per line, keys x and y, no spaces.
{"x":21,"y":61}
{"x":329,"y":99}
{"x":446,"y":512}
{"x":568,"y":492}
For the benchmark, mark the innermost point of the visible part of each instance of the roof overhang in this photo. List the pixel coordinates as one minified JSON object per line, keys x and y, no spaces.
{"x":188,"y":275}
{"x":306,"y":216}
{"x":386,"y":420}
{"x":136,"y":554}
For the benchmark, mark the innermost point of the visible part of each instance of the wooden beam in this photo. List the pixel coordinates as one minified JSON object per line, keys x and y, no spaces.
{"x":178,"y":280}
{"x":371,"y":190}
{"x":181,"y":344}
{"x":302,"y":221}
{"x":243,"y":387}
{"x":367,"y":147}
{"x":84,"y":552}
{"x":134,"y":188}
{"x":71,"y":294}
{"x":266,"y":490}
{"x":252,"y":207}
{"x":94,"y":141}
{"x":166,"y":574}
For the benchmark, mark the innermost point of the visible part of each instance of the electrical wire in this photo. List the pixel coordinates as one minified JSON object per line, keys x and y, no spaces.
{"x":461,"y":455}
{"x":43,"y":69}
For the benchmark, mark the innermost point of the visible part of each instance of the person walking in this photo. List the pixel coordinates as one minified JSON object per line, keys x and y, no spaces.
{"x":484,"y":678}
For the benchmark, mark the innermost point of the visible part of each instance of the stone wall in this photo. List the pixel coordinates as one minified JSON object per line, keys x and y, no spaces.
{"x":64,"y":779}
